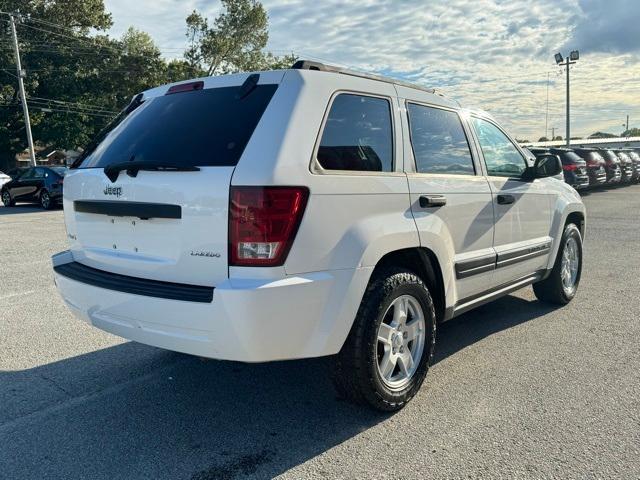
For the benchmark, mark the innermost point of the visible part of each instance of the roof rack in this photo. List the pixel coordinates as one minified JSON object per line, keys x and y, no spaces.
{"x":321,"y":67}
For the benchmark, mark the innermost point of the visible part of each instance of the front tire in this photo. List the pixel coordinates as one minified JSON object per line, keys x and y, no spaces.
{"x":389,"y":349}
{"x":562,"y":283}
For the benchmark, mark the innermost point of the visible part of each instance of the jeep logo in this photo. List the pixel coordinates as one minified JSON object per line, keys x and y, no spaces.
{"x":117,"y":191}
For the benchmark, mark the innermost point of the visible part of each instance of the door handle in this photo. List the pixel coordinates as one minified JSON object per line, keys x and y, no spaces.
{"x":427,"y":201}
{"x":506,"y":199}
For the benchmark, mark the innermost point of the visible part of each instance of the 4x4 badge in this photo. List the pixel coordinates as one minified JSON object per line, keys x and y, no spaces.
{"x":108,"y":190}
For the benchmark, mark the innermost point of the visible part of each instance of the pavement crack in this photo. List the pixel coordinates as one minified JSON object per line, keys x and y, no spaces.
{"x":56,"y":385}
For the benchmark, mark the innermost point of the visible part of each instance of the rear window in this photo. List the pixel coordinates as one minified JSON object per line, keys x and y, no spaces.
{"x":209,"y":127}
{"x":572,"y":157}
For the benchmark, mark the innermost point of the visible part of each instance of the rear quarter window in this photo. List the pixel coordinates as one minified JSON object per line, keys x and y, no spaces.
{"x":209,"y":127}
{"x":357,"y":135}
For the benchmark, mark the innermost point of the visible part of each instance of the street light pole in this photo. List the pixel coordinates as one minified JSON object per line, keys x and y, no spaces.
{"x":23,"y":97}
{"x":568,"y":130}
{"x":570,"y":60}
{"x":546,"y":118}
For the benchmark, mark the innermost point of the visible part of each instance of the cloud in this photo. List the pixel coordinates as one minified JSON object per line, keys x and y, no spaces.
{"x":495,"y":55}
{"x":607,"y":26}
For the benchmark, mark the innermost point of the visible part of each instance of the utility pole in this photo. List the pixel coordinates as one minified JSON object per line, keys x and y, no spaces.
{"x":570,"y":60}
{"x":553,"y":133}
{"x":23,"y":97}
{"x":627,"y":124}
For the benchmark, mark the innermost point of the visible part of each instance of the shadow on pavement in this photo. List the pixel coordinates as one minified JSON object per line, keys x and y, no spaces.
{"x":132,"y":411}
{"x":24,"y":208}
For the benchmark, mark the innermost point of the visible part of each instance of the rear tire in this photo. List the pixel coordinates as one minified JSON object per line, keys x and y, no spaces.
{"x":45,"y":200}
{"x":562,"y":283}
{"x":7,"y":200}
{"x":385,"y":365}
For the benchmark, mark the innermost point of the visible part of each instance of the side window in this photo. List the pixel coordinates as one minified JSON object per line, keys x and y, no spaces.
{"x":39,"y":173}
{"x":28,"y":174}
{"x":501,"y":156}
{"x":438,"y":141}
{"x":357,"y":135}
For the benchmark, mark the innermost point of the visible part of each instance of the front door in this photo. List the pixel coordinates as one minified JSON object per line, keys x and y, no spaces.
{"x":25,"y":186}
{"x":522,"y":208}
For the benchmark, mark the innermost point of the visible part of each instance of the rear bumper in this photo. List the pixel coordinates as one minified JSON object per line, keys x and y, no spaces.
{"x":597,"y":176}
{"x":577,"y":181}
{"x":627,"y":173}
{"x":614,"y":174}
{"x":248,"y":320}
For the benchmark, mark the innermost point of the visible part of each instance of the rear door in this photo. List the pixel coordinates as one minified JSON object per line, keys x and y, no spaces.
{"x":522,"y":208}
{"x":169,"y":224}
{"x":25,"y":186}
{"x":449,"y":195}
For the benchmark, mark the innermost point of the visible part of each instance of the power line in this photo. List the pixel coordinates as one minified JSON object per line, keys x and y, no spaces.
{"x":47,"y":109}
{"x":72,"y":103}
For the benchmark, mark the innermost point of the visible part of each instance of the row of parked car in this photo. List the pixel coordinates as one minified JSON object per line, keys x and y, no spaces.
{"x":593,"y":167}
{"x":582,"y":168}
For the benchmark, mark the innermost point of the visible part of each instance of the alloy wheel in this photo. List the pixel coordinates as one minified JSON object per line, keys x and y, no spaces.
{"x":45,"y":200}
{"x":400,"y":342}
{"x":570,"y":265}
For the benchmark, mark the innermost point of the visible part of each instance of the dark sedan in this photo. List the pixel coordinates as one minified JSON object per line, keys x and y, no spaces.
{"x":574,"y":167}
{"x":36,"y":184}
{"x":614,"y":173}
{"x":596,"y":166}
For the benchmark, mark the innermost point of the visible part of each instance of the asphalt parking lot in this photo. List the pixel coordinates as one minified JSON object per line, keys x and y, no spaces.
{"x":518,"y":389}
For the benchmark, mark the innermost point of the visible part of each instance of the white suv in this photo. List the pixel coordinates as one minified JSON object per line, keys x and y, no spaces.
{"x":309,"y":212}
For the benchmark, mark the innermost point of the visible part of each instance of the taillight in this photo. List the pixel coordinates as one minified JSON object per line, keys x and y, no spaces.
{"x":570,"y":167}
{"x":263,"y":222}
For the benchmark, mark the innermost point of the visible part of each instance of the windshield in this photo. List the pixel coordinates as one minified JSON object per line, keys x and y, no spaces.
{"x":201,"y":128}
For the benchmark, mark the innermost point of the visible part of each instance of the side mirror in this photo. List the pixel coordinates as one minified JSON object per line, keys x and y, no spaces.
{"x":546,"y":165}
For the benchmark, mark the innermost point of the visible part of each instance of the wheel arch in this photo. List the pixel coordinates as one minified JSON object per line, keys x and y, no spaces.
{"x":577,"y":218}
{"x":424,"y":263}
{"x":574,"y":213}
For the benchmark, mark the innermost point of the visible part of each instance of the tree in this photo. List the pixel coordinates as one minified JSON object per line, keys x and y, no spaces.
{"x":543,"y":139}
{"x":602,"y":135}
{"x":44,"y":59}
{"x":632,"y":132}
{"x":76,"y":81}
{"x":235,"y":41}
{"x":78,"y":78}
{"x":557,"y":138}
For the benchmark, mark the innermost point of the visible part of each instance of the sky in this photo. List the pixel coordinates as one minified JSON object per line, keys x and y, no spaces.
{"x":496,"y":55}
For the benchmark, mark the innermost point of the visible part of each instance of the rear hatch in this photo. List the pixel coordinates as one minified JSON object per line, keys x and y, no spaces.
{"x":573,"y":162}
{"x":150,"y":197}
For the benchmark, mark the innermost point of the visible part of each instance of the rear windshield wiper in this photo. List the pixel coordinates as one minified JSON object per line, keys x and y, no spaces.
{"x":132,"y":168}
